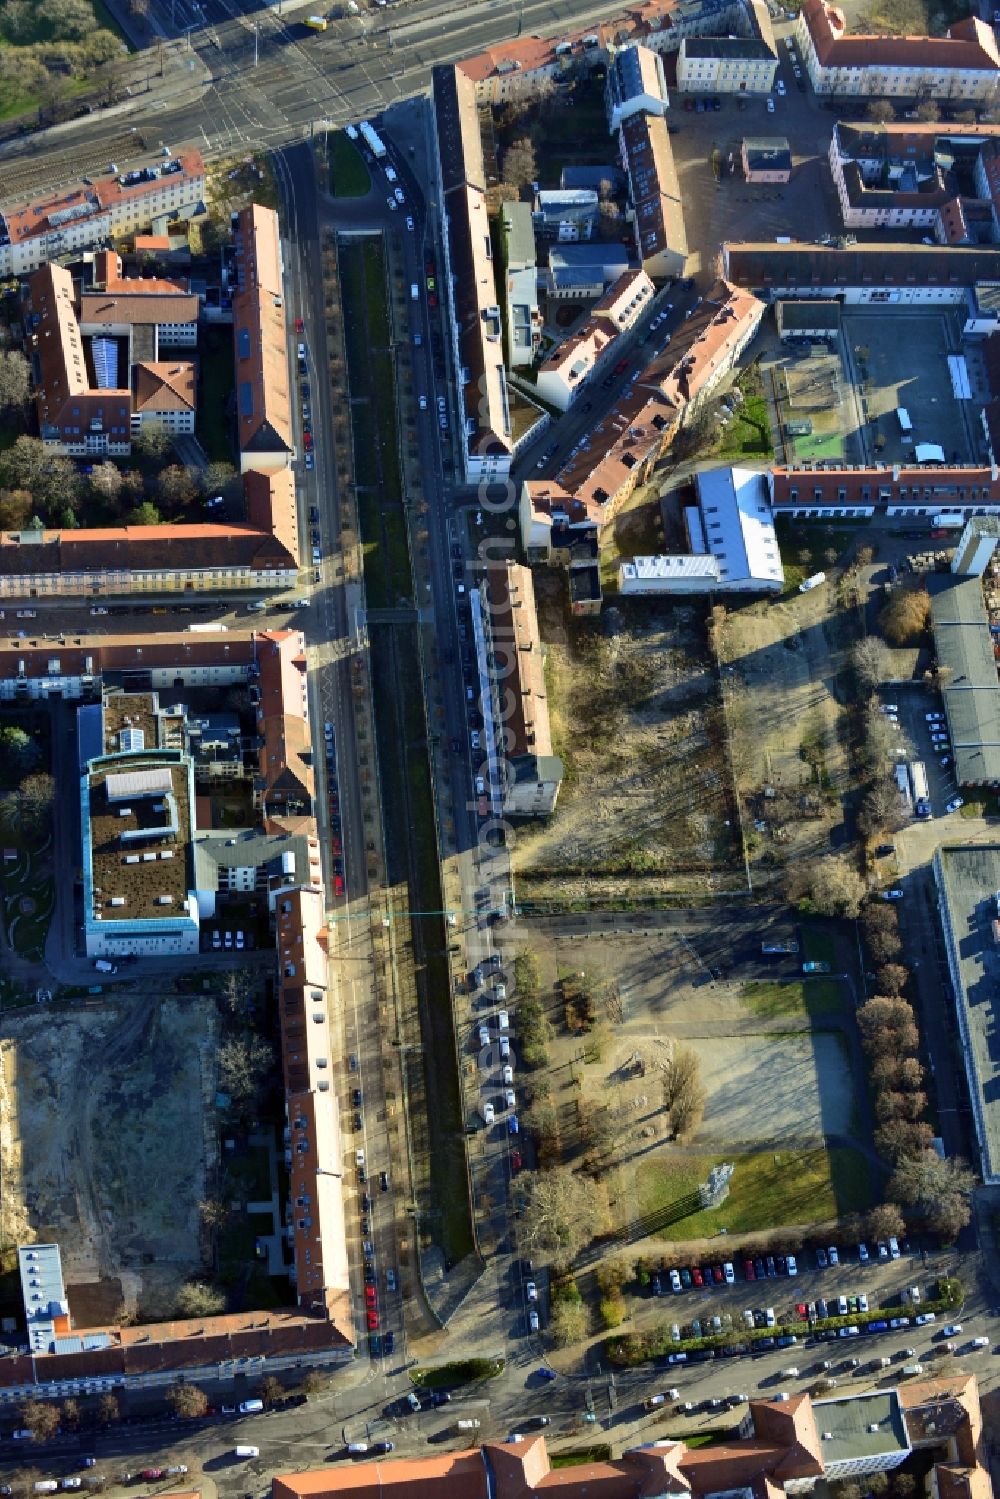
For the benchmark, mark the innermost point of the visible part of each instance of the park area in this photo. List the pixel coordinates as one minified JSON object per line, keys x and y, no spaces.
{"x":93,"y":1102}
{"x":774,"y":1060}
{"x":53,"y":52}
{"x":636,"y":719}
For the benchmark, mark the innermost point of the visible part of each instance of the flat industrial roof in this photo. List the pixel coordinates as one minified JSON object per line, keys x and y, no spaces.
{"x":844,"y":1426}
{"x":967,"y":878}
{"x":971,"y":695}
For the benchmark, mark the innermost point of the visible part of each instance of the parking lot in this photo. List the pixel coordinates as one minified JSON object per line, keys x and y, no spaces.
{"x":923,"y":739}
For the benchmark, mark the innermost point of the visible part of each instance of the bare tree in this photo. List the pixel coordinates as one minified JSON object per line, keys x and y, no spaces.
{"x":519,"y":164}
{"x":106,"y":481}
{"x":198,"y":1299}
{"x":15,"y":383}
{"x":870,"y":660}
{"x":562,"y":1210}
{"x":41,"y":1418}
{"x":880,"y":112}
{"x":829,"y":886}
{"x":271,"y":1389}
{"x":929,"y":111}
{"x":906,"y":616}
{"x":245,"y":1063}
{"x":187,"y":1400}
{"x":884,"y":1221}
{"x":108,"y":1410}
{"x":569,"y":1322}
{"x":897,"y":1140}
{"x":893,"y":978}
{"x":936,"y":1190}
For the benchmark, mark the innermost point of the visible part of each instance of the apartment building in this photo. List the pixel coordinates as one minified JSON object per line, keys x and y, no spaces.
{"x":469,"y":283}
{"x":962,"y":67}
{"x":82,"y":409}
{"x":286,"y":781}
{"x":783,"y":1449}
{"x":892,"y":489}
{"x":621,"y":451}
{"x":100,"y":364}
{"x":635,"y":84}
{"x":918,"y":176}
{"x":654,"y":194}
{"x":519,"y":68}
{"x":137,"y":822}
{"x":260,"y":344}
{"x":894,"y":274}
{"x":522,"y":767}
{"x":743,"y":61}
{"x":583,"y":272}
{"x":524,"y":318}
{"x":314,"y":1148}
{"x":573,"y":364}
{"x":100,"y":208}
{"x":566,"y":215}
{"x":260,"y":553}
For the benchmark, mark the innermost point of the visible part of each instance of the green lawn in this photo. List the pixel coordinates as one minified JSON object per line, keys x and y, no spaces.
{"x":216,"y":379}
{"x":818,"y":945}
{"x":249,"y":1176}
{"x":599,"y":1452}
{"x":801,"y":999}
{"x":767,"y":1190}
{"x":349,"y":177}
{"x":749,"y":432}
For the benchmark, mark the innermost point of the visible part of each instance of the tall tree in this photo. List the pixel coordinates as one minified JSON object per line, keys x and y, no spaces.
{"x":936,"y":1190}
{"x":15,"y":383}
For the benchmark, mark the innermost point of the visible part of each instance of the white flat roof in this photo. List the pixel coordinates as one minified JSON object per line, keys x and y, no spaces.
{"x":739,"y":524}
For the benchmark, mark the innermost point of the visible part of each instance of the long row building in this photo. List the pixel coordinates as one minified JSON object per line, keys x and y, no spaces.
{"x":777,"y":1450}
{"x":150,"y":876}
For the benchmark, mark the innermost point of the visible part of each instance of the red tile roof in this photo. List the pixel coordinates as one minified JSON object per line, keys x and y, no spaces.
{"x":25,"y":220}
{"x":970,"y":44}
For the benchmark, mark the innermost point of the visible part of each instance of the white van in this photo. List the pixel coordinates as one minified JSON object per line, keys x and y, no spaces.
{"x":913,"y":1368}
{"x":469,"y":1425}
{"x":357,"y":1449}
{"x":251,"y":1407}
{"x":414,"y":291}
{"x":791,"y":1373}
{"x":813,"y":582}
{"x":247,"y":1451}
{"x":46,"y":1486}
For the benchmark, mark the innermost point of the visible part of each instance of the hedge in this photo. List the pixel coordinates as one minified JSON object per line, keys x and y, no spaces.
{"x":640,"y":1348}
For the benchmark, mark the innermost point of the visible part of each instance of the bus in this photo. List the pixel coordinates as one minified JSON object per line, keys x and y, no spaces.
{"x":918,"y":785}
{"x":316,"y":23}
{"x":372,"y":139}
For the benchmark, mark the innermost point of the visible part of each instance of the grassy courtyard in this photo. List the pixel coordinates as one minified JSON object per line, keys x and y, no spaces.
{"x":349,"y":177}
{"x":770,"y":1189}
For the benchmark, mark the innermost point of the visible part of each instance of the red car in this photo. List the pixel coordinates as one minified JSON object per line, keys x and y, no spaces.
{"x":515,"y":1160}
{"x":372,"y":1320}
{"x":335,"y":843}
{"x":307,"y":439}
{"x":338,"y":884}
{"x":697,"y":1276}
{"x":748,"y":1270}
{"x":153,"y":1473}
{"x":300,"y":326}
{"x":432,"y":300}
{"x":801,"y":1312}
{"x":370,"y":1295}
{"x":717,"y":1274}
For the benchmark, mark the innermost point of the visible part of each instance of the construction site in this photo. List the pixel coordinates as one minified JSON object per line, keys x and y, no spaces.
{"x":93,"y":1103}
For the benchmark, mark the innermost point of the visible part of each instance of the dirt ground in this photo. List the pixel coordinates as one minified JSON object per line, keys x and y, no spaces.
{"x":786,"y":722}
{"x":104,"y":1134}
{"x":771,"y":1087}
{"x":634,"y":706}
{"x":765,"y":1081}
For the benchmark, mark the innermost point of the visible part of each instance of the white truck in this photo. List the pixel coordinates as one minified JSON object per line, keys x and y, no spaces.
{"x":372,"y":140}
